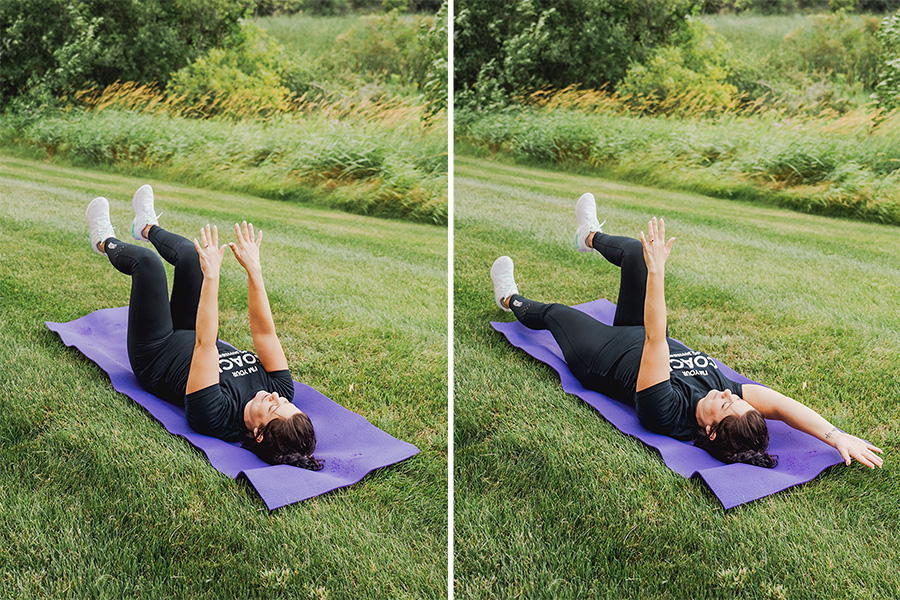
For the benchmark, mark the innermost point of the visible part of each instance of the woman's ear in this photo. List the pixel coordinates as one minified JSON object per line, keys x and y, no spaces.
{"x":257,"y":435}
{"x":710,"y":433}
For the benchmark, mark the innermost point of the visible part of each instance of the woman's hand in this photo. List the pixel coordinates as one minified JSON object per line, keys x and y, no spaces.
{"x":852,"y":447}
{"x":656,"y":250}
{"x":247,"y":248}
{"x":211,"y":255}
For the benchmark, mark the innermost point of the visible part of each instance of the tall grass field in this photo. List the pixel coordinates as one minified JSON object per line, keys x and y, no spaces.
{"x":314,"y":129}
{"x":801,"y":127}
{"x":99,"y":501}
{"x":551,"y":501}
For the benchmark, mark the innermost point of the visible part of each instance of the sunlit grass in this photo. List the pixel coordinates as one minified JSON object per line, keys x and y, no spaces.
{"x":99,"y":501}
{"x":552,"y":501}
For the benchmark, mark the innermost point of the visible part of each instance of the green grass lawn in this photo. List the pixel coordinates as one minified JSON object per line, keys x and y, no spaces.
{"x":552,"y":501}
{"x":99,"y":501}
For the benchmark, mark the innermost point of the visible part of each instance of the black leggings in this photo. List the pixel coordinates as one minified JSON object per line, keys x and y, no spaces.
{"x":160,"y":331}
{"x":581,"y":337}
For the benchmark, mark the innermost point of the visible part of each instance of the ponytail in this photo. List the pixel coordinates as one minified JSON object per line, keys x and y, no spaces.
{"x":740,"y":439}
{"x":289,"y":441}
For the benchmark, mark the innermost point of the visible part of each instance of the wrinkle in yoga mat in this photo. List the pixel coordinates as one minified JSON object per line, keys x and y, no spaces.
{"x":350,"y":446}
{"x":801,"y":457}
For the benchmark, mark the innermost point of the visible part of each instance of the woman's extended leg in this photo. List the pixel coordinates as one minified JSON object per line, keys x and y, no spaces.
{"x":628,"y":255}
{"x":579,"y":335}
{"x":177,"y":251}
{"x":180,"y":253}
{"x":625,"y":253}
{"x":149,"y":317}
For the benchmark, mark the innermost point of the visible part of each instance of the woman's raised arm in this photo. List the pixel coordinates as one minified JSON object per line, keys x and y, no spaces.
{"x":262,"y":326}
{"x":654,"y":366}
{"x":775,"y":405}
{"x":204,"y":370}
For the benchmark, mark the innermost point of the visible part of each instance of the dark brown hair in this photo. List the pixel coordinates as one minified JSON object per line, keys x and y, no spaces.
{"x":285,"y":442}
{"x":743,"y":438}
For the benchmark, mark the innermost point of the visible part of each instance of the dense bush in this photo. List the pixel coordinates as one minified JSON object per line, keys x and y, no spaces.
{"x":434,"y":40}
{"x":389,"y":46}
{"x":888,"y":89}
{"x":247,"y":69}
{"x":838,"y":44}
{"x":689,"y":77}
{"x":506,"y":47}
{"x":47,"y":46}
{"x":267,"y":8}
{"x":783,"y":7}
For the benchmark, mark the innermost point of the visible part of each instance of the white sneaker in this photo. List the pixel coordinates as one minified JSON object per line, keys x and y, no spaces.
{"x":98,"y":223}
{"x":586,"y":221}
{"x":504,"y":283}
{"x":143,"y":212}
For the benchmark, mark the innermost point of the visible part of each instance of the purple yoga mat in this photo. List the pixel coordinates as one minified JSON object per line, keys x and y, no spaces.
{"x":801,"y":457}
{"x":350,"y":446}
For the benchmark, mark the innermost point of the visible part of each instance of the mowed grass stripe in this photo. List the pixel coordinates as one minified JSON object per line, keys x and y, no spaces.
{"x":552,"y":501}
{"x":99,"y":501}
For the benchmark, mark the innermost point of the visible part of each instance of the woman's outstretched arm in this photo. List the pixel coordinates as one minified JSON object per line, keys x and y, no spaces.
{"x":654,"y":366}
{"x":775,"y":405}
{"x":262,"y":326}
{"x":204,"y":370}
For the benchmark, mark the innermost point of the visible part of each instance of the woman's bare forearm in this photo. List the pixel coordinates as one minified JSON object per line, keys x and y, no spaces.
{"x":775,"y":405}
{"x":262,"y":325}
{"x":654,"y":367}
{"x":655,"y":306}
{"x":204,"y":370}
{"x":261,"y":321}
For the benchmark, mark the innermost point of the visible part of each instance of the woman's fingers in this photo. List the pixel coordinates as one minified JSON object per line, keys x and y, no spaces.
{"x":876,"y":460}
{"x":866,"y":460}
{"x":846,"y":454}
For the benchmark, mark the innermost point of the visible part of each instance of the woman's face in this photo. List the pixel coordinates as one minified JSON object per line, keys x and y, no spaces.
{"x":716,"y":405}
{"x":266,"y":406}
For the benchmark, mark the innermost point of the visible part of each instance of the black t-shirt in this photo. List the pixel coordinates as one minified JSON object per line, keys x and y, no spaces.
{"x":669,"y":407}
{"x":218,"y":410}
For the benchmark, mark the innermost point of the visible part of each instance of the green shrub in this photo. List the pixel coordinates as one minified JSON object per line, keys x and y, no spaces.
{"x":687,"y":78}
{"x":503,"y":49}
{"x":888,"y":89}
{"x":838,"y":45}
{"x":433,"y":39}
{"x":243,"y":77}
{"x":328,"y":8}
{"x":398,"y":5}
{"x":267,"y":8}
{"x":56,"y":44}
{"x":389,"y":46}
